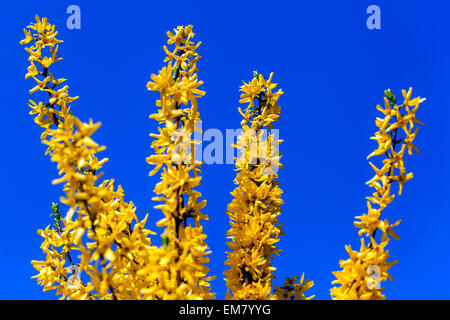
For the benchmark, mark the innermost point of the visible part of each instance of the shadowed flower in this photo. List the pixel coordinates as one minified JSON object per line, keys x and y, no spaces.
{"x":356,"y":279}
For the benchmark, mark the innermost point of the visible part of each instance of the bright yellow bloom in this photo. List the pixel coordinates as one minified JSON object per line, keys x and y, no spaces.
{"x":100,"y":250}
{"x":184,"y":271}
{"x":363,"y":272}
{"x":257,"y":201}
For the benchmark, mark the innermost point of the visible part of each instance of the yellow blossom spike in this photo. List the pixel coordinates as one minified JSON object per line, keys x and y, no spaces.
{"x":365,"y":269}
{"x":183,"y":273}
{"x":256,"y":203}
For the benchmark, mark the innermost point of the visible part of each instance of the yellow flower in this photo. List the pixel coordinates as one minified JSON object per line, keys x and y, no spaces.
{"x":163,"y":80}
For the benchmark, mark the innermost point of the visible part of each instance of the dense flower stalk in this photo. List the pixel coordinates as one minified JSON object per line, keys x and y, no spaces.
{"x":184,"y":271}
{"x":257,"y":201}
{"x":363,"y":272}
{"x":99,"y":250}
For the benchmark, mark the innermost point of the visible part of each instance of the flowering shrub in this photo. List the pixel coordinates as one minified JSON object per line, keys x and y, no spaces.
{"x":184,"y":242}
{"x":257,"y":200}
{"x":101,"y":250}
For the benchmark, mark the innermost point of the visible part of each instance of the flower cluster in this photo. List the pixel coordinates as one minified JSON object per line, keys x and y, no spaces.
{"x":363,"y":272}
{"x":114,"y":253}
{"x":184,"y":274}
{"x":257,"y":201}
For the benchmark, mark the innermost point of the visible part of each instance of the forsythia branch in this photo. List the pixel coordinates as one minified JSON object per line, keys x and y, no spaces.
{"x":116,"y":256}
{"x":363,"y":272}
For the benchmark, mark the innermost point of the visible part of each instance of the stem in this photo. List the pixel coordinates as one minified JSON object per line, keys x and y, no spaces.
{"x":391,"y":171}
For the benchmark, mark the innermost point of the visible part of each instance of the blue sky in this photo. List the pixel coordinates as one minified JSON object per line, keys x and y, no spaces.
{"x":333,"y":71}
